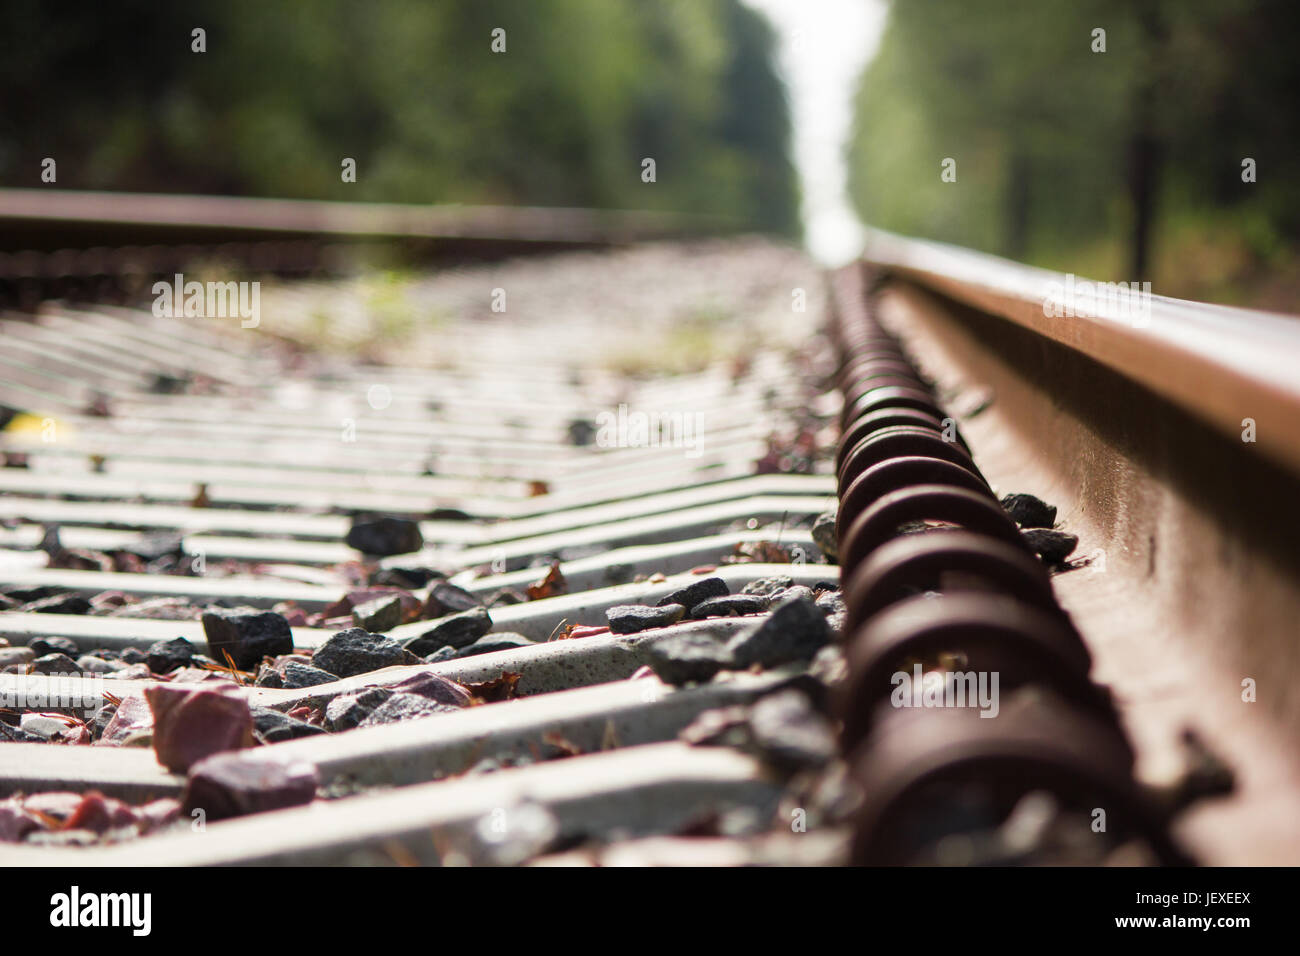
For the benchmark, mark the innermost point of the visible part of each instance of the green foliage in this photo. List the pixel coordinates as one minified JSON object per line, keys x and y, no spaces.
{"x":411,"y":90}
{"x":1045,"y":131}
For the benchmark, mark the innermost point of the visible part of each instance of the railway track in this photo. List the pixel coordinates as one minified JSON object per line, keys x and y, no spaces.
{"x":633,"y":594}
{"x":109,"y":247}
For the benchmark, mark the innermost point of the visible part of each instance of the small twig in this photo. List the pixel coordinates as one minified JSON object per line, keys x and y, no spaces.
{"x":234,"y":671}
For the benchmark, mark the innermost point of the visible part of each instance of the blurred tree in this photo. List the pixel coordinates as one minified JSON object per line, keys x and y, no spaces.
{"x":1060,"y":147}
{"x":413,"y":91}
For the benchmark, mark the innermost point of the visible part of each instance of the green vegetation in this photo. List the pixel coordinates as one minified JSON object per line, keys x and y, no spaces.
{"x":412,"y":90}
{"x":1123,"y":165}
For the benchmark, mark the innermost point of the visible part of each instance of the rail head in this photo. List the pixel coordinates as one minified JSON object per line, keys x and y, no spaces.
{"x":21,"y":207}
{"x":1222,"y":364}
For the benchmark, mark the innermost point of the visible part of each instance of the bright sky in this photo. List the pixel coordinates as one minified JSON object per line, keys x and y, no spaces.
{"x":824,"y":44}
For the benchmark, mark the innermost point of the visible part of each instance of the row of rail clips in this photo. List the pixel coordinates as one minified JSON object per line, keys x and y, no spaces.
{"x":969,"y":722}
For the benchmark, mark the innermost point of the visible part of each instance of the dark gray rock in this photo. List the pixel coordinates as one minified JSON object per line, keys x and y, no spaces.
{"x":409,"y":579}
{"x":133,"y":655}
{"x":789,"y":733}
{"x":697,"y":591}
{"x":384,"y":535}
{"x":458,"y":630}
{"x":823,"y":535}
{"x":356,"y":651}
{"x":405,"y":707}
{"x":488,"y":643}
{"x":828,"y":665}
{"x":581,"y":432}
{"x":295,"y":676}
{"x":682,"y":658}
{"x":58,"y":604}
{"x":272,"y":727}
{"x":18,"y":735}
{"x":348,"y":710}
{"x":24,"y":594}
{"x":730,"y":605}
{"x":1029,"y":512}
{"x":631,"y":618}
{"x":767,"y":586}
{"x":54,"y":645}
{"x":381,"y":614}
{"x":16,"y":656}
{"x":793,"y":593}
{"x":831,"y":602}
{"x":247,"y":635}
{"x":97,"y":665}
{"x":55,"y":664}
{"x":444,"y":653}
{"x":165,"y":656}
{"x":720,"y":727}
{"x":445,"y":598}
{"x":794,"y":631}
{"x":268,"y":677}
{"x":1052,"y":546}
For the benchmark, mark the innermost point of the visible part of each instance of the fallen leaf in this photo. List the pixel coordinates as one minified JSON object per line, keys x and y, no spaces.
{"x":581,"y":630}
{"x":566,"y":747}
{"x":497,"y":689}
{"x":549,"y":586}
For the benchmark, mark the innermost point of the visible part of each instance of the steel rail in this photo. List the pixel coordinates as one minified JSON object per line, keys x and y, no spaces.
{"x":1223,"y":364}
{"x":24,"y":208}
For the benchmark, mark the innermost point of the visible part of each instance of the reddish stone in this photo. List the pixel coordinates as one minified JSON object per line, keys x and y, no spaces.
{"x":15,"y":822}
{"x":73,"y":735}
{"x":583,"y":630}
{"x":296,"y":617}
{"x":59,"y":804}
{"x":133,"y":716}
{"x":342,"y":608}
{"x":434,"y":688}
{"x":232,"y":785}
{"x":158,"y":813}
{"x":99,"y":814}
{"x":192,"y":722}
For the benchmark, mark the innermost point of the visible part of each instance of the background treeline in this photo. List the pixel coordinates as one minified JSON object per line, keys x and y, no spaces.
{"x":413,"y":92}
{"x":1122,"y":165}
